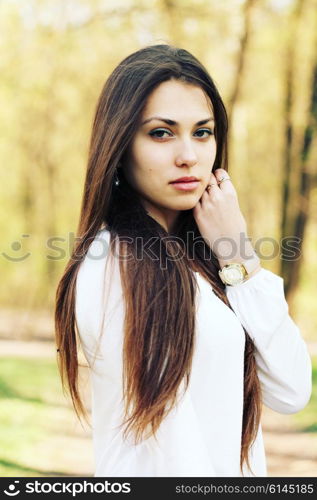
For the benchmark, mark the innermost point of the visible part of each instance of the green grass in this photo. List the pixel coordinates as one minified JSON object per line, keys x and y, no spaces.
{"x":36,"y":420}
{"x":29,"y":380}
{"x":306,"y":420}
{"x":37,"y":430}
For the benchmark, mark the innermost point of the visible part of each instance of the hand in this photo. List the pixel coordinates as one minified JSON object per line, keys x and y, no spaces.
{"x":220,"y":221}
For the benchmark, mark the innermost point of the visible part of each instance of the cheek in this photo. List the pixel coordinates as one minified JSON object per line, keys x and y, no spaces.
{"x":153,"y":156}
{"x":151,"y":165}
{"x":143,"y":176}
{"x":146,"y":147}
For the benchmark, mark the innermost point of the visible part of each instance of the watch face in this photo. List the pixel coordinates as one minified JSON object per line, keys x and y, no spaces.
{"x":233,"y":275}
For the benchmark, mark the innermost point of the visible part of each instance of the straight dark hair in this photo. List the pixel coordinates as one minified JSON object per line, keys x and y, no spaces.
{"x":158,"y":348}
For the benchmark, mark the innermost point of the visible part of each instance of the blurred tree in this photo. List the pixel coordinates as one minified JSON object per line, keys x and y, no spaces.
{"x":299,"y":167}
{"x":241,"y":58}
{"x":54,"y":60}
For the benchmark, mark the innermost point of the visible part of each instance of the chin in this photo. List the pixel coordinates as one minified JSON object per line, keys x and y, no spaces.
{"x":186,"y":204}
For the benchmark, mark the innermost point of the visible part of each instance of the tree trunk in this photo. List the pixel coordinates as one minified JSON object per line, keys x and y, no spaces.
{"x":244,"y":43}
{"x":296,"y":224}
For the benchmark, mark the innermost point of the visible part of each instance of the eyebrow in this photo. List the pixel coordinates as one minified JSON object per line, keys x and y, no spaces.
{"x":172,"y":122}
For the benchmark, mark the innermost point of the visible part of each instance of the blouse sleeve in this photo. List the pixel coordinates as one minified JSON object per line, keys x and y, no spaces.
{"x":283,"y":361}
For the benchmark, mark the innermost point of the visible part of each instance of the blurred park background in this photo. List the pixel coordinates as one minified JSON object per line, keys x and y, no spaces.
{"x":54,"y":57}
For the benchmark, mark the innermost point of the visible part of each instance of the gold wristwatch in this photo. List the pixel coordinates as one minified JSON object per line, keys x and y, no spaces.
{"x":238,"y":272}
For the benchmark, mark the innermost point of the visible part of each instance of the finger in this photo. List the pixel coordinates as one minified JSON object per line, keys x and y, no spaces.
{"x":212,"y":184}
{"x":211,"y":191}
{"x":221,"y":175}
{"x":224,"y":182}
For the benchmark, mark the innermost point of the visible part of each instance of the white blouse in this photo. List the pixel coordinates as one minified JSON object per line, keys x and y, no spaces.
{"x":201,"y":436}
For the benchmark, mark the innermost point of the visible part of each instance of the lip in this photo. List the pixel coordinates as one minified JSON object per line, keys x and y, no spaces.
{"x":185,"y":186}
{"x":184,"y":179}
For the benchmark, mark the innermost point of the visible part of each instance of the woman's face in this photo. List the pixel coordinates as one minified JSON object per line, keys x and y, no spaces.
{"x":175,"y":139}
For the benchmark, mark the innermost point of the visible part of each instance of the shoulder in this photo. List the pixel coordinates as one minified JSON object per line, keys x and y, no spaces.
{"x":98,"y":267}
{"x":98,"y":285}
{"x":96,"y":255}
{"x":99,"y":246}
{"x":91,"y":271}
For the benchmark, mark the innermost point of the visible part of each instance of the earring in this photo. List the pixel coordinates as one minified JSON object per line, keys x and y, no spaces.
{"x":116,"y":179}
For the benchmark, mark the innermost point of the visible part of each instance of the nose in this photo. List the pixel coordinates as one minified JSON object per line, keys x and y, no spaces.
{"x":187,"y":156}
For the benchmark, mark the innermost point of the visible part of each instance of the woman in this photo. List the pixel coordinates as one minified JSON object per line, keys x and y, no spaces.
{"x":184,"y":332}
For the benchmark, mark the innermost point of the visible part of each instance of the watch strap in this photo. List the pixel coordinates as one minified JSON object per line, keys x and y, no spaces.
{"x":251,"y":264}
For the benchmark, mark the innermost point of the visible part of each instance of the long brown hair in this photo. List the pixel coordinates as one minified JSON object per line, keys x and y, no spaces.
{"x":158,"y":341}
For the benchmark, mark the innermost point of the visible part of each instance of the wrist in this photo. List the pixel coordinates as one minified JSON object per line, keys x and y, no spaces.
{"x":231,"y":250}
{"x":255,"y":271}
{"x":251,"y":264}
{"x":252,"y":261}
{"x":234,"y":273}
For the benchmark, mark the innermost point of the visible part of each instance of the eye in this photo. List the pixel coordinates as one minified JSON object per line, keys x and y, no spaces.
{"x":159,"y":133}
{"x":205,"y":130}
